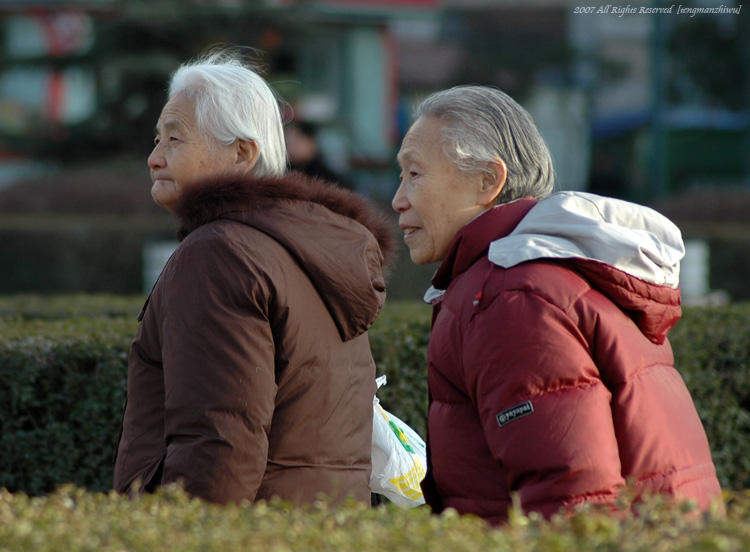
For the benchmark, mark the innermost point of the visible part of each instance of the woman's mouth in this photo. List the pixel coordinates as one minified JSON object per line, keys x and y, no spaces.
{"x":409,"y":231}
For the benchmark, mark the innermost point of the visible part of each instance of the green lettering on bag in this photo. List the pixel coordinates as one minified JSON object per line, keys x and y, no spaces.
{"x":401,"y":437}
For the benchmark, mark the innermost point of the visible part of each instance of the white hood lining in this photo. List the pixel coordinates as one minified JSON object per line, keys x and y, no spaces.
{"x":629,"y":237}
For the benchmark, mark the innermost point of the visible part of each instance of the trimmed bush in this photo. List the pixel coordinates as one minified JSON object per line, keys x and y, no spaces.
{"x":712,"y":352}
{"x":74,"y":520}
{"x":62,"y":388}
{"x":59,"y":307}
{"x":63,"y":368}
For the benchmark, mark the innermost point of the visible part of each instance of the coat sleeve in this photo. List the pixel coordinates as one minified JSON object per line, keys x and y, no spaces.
{"x":218,"y":358}
{"x":543,"y":407}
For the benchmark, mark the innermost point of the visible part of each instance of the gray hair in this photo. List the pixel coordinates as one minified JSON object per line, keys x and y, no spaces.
{"x":233,"y":101}
{"x":484,"y":123}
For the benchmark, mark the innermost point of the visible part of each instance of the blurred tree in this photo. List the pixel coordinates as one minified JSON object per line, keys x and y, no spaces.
{"x":512,"y":48}
{"x":137,"y":50}
{"x":136,"y":47}
{"x":707,"y":63}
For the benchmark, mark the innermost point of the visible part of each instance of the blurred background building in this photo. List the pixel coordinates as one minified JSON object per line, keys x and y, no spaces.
{"x":651,"y":107}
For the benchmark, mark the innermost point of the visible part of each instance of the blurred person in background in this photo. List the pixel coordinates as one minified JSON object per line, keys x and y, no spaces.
{"x":251,"y":374}
{"x":305,"y":155}
{"x":549,"y":369}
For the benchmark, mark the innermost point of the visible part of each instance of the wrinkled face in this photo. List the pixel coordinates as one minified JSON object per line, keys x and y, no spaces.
{"x":182,"y":157}
{"x":434,"y":200}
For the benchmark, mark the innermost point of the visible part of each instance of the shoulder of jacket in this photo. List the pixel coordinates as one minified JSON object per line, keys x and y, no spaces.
{"x":487,"y":285}
{"x":228,"y":233}
{"x":225,"y":245}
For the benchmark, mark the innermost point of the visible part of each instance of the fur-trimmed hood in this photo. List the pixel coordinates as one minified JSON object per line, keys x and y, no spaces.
{"x":209,"y":202}
{"x":338,"y":237}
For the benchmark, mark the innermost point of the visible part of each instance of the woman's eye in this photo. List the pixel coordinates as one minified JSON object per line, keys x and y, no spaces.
{"x":410,"y":174}
{"x":169,"y":139}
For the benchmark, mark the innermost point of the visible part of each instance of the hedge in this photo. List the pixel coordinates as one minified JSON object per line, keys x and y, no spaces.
{"x":63,"y":371}
{"x":76,"y":521}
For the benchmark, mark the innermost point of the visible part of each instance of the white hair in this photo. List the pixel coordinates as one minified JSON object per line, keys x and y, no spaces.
{"x":483,"y":123}
{"x":232,"y":101}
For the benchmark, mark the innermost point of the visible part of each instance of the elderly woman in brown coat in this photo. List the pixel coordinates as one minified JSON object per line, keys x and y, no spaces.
{"x":251,"y":374}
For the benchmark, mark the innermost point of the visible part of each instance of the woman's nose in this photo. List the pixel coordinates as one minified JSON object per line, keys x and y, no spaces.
{"x":400,"y":203}
{"x":156,"y":159}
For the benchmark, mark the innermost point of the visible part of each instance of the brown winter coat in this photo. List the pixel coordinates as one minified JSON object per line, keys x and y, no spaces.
{"x":251,"y":374}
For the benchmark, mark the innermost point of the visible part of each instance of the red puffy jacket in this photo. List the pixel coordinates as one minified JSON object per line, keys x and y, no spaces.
{"x":550,"y":375}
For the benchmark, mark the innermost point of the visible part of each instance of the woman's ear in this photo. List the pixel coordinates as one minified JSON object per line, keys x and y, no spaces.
{"x":493,"y":181}
{"x":247,"y":153}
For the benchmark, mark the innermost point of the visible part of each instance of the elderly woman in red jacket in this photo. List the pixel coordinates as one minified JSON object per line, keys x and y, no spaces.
{"x":251,"y":375}
{"x":550,"y":373}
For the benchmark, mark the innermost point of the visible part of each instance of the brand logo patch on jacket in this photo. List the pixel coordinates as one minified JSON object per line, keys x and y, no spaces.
{"x":512,"y":414}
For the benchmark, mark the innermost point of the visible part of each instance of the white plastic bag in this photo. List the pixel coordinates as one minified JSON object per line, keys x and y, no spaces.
{"x":399,"y":457}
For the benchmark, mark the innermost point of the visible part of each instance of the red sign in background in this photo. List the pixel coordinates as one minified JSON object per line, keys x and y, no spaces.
{"x":379,"y":3}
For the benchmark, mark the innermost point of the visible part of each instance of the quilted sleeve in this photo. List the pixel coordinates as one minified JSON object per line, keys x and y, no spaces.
{"x":543,"y":407}
{"x":218,"y":356}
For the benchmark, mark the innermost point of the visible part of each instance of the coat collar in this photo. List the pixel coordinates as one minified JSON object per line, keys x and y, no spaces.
{"x":473,"y":240}
{"x":211,"y":201}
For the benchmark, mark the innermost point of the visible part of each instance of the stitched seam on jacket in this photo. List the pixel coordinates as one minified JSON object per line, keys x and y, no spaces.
{"x":465,"y":404}
{"x":587,"y":497}
{"x":565,"y":388}
{"x":642,"y":372}
{"x":671,"y":472}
